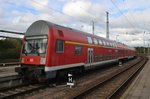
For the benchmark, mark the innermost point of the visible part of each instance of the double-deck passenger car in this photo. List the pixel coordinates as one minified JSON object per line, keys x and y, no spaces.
{"x":49,"y":48}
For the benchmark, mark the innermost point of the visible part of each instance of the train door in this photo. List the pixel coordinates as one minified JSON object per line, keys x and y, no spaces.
{"x":90,"y":55}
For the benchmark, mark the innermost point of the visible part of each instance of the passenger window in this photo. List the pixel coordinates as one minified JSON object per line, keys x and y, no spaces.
{"x":104,"y":43}
{"x":111,"y":44}
{"x":78,"y":49}
{"x":101,"y":57}
{"x":108,"y":57}
{"x":95,"y":41}
{"x":96,"y":58}
{"x":100,"y":42}
{"x":116,"y":45}
{"x":59,"y":46}
{"x":89,"y":40}
{"x":105,"y":57}
{"x":107,"y":43}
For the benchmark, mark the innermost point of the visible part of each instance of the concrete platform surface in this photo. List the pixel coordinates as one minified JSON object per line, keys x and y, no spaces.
{"x":140,"y":88}
{"x":8,"y":71}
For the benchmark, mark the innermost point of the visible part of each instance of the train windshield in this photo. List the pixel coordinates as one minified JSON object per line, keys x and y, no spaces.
{"x":35,"y":45}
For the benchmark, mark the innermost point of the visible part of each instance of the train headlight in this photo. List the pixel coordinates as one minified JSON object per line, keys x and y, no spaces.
{"x":22,"y":60}
{"x":42,"y":60}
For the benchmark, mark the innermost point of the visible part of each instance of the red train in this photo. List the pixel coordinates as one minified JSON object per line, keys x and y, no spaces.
{"x":49,"y":48}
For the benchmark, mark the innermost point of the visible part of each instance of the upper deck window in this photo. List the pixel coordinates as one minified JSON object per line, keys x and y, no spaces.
{"x":100,"y":42}
{"x":110,"y":44}
{"x":60,"y":46}
{"x":89,"y":40}
{"x":104,"y":43}
{"x":113,"y":44}
{"x":95,"y":41}
{"x":116,"y":45}
{"x":107,"y":43}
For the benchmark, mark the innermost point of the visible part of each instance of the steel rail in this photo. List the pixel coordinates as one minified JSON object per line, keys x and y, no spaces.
{"x":8,"y":78}
{"x":116,"y":91}
{"x":20,"y":90}
{"x":90,"y":88}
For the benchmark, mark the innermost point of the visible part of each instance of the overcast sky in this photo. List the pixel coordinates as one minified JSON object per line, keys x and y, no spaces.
{"x":128,"y":19}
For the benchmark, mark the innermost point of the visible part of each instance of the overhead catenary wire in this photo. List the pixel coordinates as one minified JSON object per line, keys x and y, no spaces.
{"x":57,"y":11}
{"x":85,"y":22}
{"x":79,"y":19}
{"x":132,"y":16}
{"x":94,"y":17}
{"x":126,"y":18}
{"x":122,"y":14}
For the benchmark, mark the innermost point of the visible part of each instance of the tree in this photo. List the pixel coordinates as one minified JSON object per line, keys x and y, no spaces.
{"x":10,"y":48}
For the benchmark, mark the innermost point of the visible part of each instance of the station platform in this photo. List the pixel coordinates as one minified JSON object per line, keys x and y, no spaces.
{"x":140,"y":87}
{"x":8,"y":71}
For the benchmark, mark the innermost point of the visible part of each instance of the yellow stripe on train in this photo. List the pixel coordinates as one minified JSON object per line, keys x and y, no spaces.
{"x":82,"y":44}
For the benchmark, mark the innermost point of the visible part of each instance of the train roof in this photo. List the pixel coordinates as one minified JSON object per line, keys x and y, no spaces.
{"x":41,"y":27}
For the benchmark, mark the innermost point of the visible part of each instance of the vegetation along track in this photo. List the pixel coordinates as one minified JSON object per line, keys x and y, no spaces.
{"x":112,"y":84}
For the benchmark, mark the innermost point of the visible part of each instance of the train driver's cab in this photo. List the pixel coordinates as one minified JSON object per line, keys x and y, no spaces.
{"x":35,"y":45}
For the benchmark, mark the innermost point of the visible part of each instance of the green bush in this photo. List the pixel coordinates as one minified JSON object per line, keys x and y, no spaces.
{"x":10,"y":48}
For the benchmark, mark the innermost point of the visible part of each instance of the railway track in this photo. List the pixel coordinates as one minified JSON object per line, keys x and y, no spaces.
{"x":83,"y":89}
{"x":8,"y":78}
{"x":10,"y":81}
{"x":13,"y":92}
{"x":13,"y":87}
{"x":103,"y":82}
{"x":131,"y":74}
{"x":109,"y":87}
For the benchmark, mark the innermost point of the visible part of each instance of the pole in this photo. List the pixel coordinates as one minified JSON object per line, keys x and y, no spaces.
{"x":107,"y":25}
{"x":148,"y":49}
{"x":143,"y":43}
{"x":93,"y":27}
